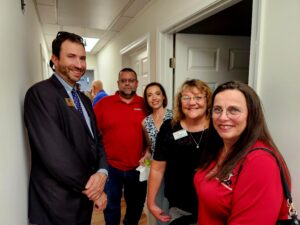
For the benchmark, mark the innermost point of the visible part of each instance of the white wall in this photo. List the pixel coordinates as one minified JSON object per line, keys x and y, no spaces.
{"x":278,"y":71}
{"x":150,"y":20}
{"x":20,"y":67}
{"x":91,"y":61}
{"x":279,"y":79}
{"x":109,"y":64}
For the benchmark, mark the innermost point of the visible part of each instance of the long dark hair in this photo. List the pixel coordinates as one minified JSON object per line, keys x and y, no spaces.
{"x":165,"y":101}
{"x":255,"y":130}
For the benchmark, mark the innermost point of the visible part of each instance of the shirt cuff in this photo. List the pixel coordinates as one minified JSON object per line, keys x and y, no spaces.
{"x":104,"y":171}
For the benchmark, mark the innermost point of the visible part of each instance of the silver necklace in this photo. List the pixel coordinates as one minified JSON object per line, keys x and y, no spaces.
{"x":197,"y":144}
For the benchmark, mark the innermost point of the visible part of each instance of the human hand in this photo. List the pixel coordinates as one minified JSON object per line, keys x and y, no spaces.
{"x":101,"y":203}
{"x":95,"y":186}
{"x":145,"y":160}
{"x":159,"y":214}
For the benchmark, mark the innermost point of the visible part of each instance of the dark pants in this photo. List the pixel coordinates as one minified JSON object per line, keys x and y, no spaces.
{"x":134,"y":194}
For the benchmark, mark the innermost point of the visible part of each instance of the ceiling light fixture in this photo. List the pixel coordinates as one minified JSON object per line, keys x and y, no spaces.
{"x":90,"y":43}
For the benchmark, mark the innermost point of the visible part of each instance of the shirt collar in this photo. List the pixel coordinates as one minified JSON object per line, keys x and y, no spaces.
{"x":64,"y":83}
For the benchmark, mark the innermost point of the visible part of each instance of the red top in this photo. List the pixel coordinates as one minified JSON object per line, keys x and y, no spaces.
{"x":120,"y":125}
{"x":255,"y":198}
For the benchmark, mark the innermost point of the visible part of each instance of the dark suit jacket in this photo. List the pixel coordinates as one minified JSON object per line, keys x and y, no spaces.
{"x":64,"y":155}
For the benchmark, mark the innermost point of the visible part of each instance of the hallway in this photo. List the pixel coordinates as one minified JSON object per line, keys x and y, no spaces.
{"x":274,"y":62}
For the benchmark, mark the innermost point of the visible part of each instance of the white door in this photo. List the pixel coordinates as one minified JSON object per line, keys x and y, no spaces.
{"x":212,"y":59}
{"x":137,"y":59}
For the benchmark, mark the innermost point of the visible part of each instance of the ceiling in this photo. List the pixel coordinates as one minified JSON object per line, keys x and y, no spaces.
{"x":101,"y":19}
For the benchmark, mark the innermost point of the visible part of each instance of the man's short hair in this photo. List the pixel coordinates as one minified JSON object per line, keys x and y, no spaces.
{"x":60,"y":38}
{"x":127,"y":69}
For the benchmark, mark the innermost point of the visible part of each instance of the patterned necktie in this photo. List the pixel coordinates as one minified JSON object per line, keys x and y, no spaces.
{"x":76,"y":101}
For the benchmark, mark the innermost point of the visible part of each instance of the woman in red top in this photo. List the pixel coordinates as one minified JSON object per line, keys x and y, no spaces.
{"x":234,"y":186}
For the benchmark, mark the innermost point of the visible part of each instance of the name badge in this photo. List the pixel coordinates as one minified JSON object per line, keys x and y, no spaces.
{"x":69,"y":102}
{"x":180,"y":134}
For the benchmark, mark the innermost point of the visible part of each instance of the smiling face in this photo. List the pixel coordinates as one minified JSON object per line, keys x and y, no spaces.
{"x":127,"y":84}
{"x":71,"y":64}
{"x":193,"y":103}
{"x":155,"y":97}
{"x":229,"y":115}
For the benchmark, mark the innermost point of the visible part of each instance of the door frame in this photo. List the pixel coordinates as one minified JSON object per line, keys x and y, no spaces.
{"x":165,"y":40}
{"x":135,"y":46}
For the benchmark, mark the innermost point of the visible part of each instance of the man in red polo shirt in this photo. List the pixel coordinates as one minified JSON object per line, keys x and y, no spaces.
{"x":119,"y":119}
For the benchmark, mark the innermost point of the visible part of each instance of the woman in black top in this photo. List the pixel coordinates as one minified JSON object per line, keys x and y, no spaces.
{"x":178,"y":146}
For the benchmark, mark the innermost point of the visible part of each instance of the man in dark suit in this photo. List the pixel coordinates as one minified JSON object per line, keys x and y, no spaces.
{"x":69,"y":168}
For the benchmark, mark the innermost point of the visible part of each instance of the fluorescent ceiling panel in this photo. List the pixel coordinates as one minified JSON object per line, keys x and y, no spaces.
{"x":90,"y":43}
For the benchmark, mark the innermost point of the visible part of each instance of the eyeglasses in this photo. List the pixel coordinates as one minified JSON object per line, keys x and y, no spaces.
{"x":61,"y":33}
{"x":187,"y":99}
{"x":123,"y":81}
{"x":71,"y":36}
{"x":231,"y":112}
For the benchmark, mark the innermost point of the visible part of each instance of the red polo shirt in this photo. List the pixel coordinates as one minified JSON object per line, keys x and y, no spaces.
{"x":120,"y":124}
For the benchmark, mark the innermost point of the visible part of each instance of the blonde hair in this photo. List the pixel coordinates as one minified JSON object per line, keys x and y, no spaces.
{"x":194,"y":83}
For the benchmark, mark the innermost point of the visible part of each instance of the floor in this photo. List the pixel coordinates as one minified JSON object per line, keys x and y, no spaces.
{"x":98,"y":218}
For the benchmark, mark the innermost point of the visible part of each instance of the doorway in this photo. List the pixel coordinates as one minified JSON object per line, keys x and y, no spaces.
{"x":213,"y":59}
{"x":230,"y":20}
{"x":216,"y":49}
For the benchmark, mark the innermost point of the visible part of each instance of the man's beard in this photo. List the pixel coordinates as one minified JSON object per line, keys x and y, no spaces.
{"x":127,"y":96}
{"x":67,"y":70}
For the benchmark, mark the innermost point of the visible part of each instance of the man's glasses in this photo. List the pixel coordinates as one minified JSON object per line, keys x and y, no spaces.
{"x":123,"y":81}
{"x":187,"y":99}
{"x":71,"y":36}
{"x":62,"y":33}
{"x":231,"y":112}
